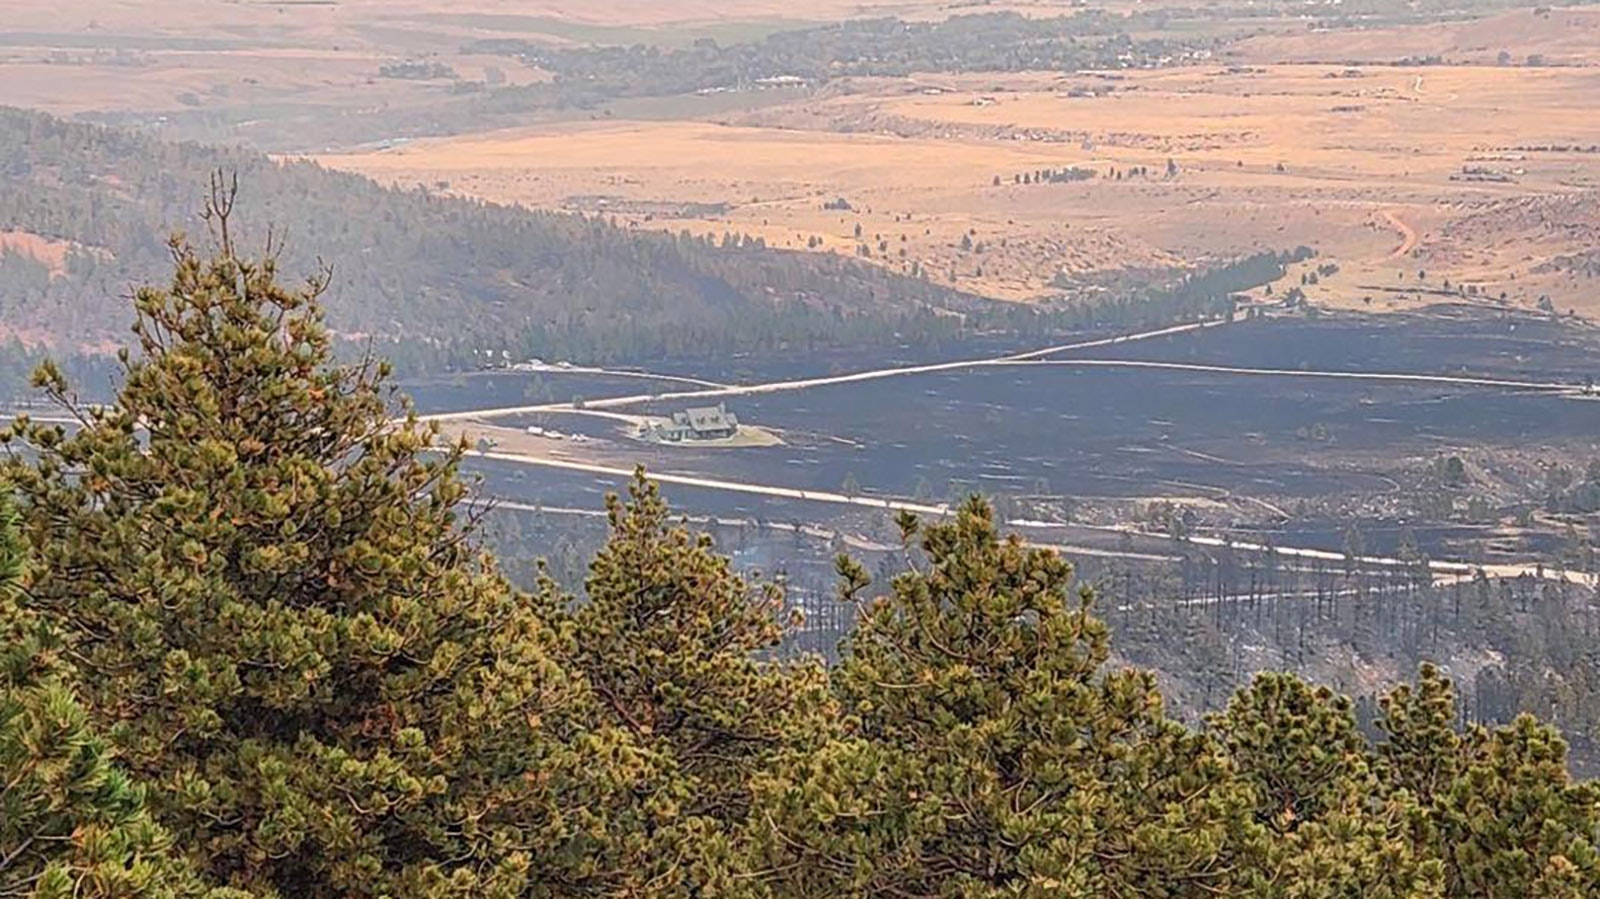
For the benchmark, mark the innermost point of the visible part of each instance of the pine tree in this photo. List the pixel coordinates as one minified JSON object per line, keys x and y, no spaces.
{"x":1336,"y":832}
{"x":988,"y":754}
{"x":677,"y":648}
{"x":1359,"y":849}
{"x":72,"y":824}
{"x":278,"y":616}
{"x":1501,"y":812}
{"x":1513,"y":823}
{"x":1422,"y":750}
{"x":1297,"y":746}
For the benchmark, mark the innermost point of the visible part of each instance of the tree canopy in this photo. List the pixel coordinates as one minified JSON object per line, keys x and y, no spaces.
{"x":258,"y":651}
{"x":274,"y":607}
{"x":73,"y":823}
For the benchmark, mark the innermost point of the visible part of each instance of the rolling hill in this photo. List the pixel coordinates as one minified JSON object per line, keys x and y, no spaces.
{"x":85,"y":213}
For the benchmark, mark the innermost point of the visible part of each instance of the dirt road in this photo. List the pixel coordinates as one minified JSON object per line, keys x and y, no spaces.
{"x":1408,"y":235}
{"x":807,"y":383}
{"x":1403,"y":377}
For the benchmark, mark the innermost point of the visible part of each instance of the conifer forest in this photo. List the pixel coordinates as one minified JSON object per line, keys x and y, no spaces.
{"x":852,"y":449}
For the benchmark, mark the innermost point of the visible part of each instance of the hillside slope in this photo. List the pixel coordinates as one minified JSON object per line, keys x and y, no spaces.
{"x":87,"y":211}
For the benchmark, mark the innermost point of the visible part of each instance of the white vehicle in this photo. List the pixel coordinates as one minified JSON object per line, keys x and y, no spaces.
{"x":535,"y":431}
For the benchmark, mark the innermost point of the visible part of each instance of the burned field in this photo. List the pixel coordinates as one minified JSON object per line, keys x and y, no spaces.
{"x":1294,"y":460}
{"x":1228,"y":521}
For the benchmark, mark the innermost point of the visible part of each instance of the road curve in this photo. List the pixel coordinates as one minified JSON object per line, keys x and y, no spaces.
{"x":1408,"y":234}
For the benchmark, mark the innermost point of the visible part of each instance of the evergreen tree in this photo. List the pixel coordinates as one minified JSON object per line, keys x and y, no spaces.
{"x":677,"y":649}
{"x":1296,"y":745}
{"x":988,"y":754}
{"x":1502,"y":813}
{"x":1514,"y":823}
{"x":1359,"y":849}
{"x":1336,"y":834}
{"x":278,"y":617}
{"x":1422,"y":749}
{"x":72,"y":824}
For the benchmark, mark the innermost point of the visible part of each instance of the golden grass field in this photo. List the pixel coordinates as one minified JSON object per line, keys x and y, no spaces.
{"x":916,"y":195}
{"x":1568,"y":36}
{"x":219,"y":55}
{"x":1277,"y":144}
{"x":63,"y":56}
{"x":1357,"y":163}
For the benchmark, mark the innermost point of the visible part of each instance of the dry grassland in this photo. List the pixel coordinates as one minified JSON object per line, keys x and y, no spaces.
{"x":257,"y":57}
{"x":1387,"y":171}
{"x":919,"y":196}
{"x":1569,"y":36}
{"x":218,"y":56}
{"x":1367,"y":166}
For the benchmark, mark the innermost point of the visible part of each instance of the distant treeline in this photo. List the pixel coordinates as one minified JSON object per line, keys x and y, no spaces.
{"x":1051,"y":176}
{"x":991,"y":42}
{"x":1204,"y":294}
{"x":889,"y":47}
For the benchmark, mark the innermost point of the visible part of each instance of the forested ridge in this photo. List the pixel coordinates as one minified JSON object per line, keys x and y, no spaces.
{"x":432,"y":278}
{"x":440,"y":282}
{"x":252,"y":647}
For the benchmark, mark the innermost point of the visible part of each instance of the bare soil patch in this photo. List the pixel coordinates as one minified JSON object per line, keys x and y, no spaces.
{"x":46,"y":251}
